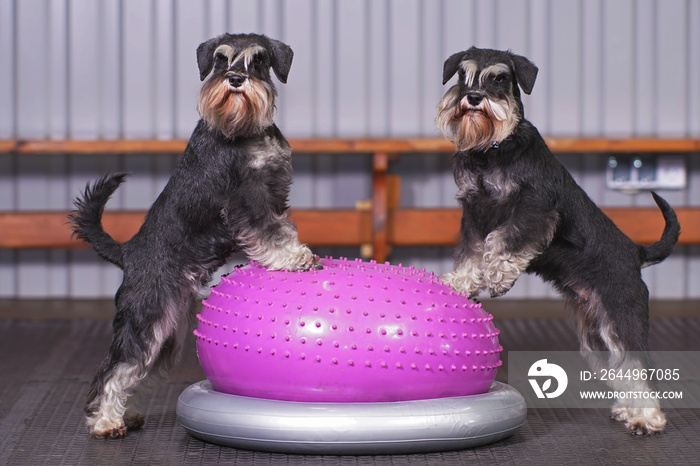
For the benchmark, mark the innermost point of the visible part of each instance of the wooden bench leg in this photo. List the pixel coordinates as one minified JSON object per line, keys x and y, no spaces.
{"x":380,"y":247}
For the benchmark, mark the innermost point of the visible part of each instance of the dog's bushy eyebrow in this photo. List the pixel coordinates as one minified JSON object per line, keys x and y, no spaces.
{"x":225,"y":50}
{"x":493,"y":70}
{"x":470,"y":68}
{"x":247,"y":55}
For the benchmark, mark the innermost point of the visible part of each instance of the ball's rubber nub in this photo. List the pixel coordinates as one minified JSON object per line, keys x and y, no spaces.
{"x":351,"y":428}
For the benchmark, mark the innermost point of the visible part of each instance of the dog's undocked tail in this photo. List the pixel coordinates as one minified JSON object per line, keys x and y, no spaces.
{"x":660,"y":250}
{"x":86,"y":220}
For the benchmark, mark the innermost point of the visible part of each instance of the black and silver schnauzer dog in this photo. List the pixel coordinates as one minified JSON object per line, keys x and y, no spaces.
{"x":524,"y":213}
{"x":227,"y":194}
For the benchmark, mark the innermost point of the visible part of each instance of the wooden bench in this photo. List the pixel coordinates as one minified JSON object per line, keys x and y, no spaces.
{"x":375,"y":226}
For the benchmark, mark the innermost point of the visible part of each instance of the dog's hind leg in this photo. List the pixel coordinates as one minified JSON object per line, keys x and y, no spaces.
{"x":641,"y":412}
{"x":114,"y":384}
{"x":133,"y":417}
{"x":169,"y":355}
{"x":137,"y":345}
{"x":617,"y":343}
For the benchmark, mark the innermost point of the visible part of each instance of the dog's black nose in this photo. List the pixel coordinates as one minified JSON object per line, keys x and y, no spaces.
{"x":474,"y":98}
{"x":236,"y":80}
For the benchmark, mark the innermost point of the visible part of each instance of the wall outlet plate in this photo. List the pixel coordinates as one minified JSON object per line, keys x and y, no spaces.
{"x":646,"y":172}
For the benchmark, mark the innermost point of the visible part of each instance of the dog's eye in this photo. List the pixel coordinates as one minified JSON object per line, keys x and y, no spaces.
{"x":499,"y":78}
{"x":257,"y":60}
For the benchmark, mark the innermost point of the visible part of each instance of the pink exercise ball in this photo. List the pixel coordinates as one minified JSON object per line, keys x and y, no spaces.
{"x":351,"y":332}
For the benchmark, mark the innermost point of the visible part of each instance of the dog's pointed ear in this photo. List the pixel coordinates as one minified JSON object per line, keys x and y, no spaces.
{"x":281,"y":63}
{"x":525,"y":72}
{"x":205,"y":56}
{"x":451,"y":66}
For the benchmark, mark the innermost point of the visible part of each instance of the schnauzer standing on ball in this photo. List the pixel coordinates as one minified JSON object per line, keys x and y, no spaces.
{"x":228,"y":193}
{"x":523,"y":212}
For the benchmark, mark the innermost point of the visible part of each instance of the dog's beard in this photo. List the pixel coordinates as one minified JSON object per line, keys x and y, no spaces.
{"x":475,"y":128}
{"x":241,"y":112}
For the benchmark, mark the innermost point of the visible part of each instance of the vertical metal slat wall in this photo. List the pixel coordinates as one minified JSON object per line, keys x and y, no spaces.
{"x":114,"y":69}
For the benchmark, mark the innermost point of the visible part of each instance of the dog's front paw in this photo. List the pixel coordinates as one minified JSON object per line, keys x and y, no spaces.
{"x":497,"y":282}
{"x":461,"y":283}
{"x":313,"y":264}
{"x":500,"y":273}
{"x":297,"y":257}
{"x":316,"y":263}
{"x":499,"y":289}
{"x":310,"y":261}
{"x":497,"y":292}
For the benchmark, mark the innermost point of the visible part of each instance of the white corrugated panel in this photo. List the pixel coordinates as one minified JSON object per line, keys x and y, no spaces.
{"x":127,"y":69}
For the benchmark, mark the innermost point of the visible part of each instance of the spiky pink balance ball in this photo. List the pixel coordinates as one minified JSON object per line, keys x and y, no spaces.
{"x":351,"y":332}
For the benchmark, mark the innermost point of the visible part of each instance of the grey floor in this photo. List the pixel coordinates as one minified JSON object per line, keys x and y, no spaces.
{"x":49,"y":350}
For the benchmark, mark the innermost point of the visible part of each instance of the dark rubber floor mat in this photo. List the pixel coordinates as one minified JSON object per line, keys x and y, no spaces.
{"x":45,"y":367}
